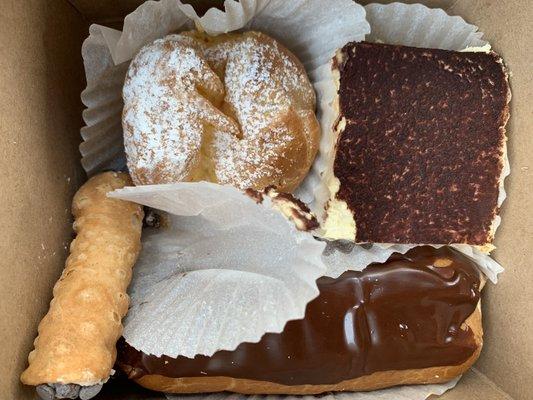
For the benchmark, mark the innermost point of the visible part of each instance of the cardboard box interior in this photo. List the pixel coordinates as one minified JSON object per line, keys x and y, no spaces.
{"x":41,"y":77}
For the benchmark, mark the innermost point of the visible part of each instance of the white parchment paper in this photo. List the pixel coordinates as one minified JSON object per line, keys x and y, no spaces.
{"x":220,"y":271}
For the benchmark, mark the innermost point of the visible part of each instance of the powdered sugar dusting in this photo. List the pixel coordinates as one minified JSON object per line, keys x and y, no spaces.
{"x":240,"y":100}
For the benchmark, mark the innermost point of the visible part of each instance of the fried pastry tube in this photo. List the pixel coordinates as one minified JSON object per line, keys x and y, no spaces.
{"x":75,"y":346}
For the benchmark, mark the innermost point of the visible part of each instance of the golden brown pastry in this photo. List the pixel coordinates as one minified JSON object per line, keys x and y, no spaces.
{"x":414,"y":319}
{"x":77,"y":337}
{"x":233,"y":109}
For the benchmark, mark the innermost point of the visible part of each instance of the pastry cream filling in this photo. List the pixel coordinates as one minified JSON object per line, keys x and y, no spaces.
{"x":340,"y":222}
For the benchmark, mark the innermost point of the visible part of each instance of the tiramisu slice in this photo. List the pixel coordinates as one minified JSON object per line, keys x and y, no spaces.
{"x":420,"y":145}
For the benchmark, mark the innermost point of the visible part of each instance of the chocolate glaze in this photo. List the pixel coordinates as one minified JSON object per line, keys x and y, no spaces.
{"x":420,"y":158}
{"x":404,"y":314}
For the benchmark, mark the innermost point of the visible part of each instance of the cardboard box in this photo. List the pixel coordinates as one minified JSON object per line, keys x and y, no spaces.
{"x":41,"y":77}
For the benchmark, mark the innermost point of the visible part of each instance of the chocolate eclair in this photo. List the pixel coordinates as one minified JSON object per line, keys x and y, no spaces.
{"x":414,"y":319}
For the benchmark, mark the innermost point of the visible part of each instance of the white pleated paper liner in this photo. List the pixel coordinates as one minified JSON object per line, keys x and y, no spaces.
{"x":396,"y":23}
{"x":313,"y":32}
{"x":420,"y":26}
{"x":413,"y":392}
{"x":341,"y":256}
{"x":221,"y":271}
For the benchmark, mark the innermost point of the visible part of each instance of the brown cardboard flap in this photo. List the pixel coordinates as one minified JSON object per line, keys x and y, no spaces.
{"x":474,"y":386}
{"x":41,"y":75}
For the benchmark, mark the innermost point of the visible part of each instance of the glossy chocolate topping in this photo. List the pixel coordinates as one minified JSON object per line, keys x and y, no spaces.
{"x":404,"y":314}
{"x":420,"y":157}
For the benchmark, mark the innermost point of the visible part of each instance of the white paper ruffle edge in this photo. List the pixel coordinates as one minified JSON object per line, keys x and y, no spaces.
{"x":221,"y":270}
{"x":413,"y":392}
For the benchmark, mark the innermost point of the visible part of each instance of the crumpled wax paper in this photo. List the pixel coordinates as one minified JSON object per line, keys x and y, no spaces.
{"x":413,"y":392}
{"x":221,"y":270}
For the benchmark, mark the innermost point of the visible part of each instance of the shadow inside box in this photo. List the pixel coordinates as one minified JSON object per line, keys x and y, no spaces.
{"x":49,"y":78}
{"x":119,"y":387}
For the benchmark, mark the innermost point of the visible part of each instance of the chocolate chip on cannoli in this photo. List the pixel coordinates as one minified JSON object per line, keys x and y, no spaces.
{"x":152,"y":218}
